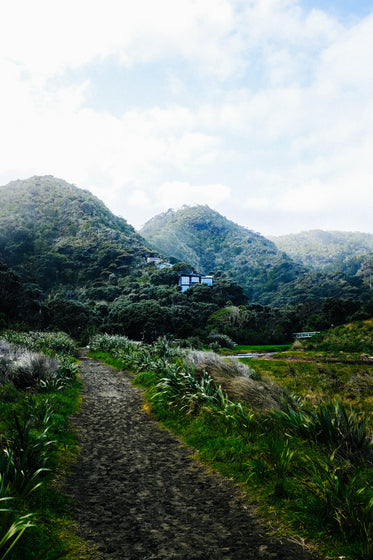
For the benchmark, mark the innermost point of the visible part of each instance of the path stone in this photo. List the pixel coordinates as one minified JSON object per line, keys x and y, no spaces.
{"x":140,"y":495}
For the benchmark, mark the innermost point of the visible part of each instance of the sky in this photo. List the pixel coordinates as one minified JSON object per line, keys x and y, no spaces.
{"x":262,"y":109}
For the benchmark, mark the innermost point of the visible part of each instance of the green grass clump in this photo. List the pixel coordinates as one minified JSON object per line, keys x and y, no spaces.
{"x":41,"y":341}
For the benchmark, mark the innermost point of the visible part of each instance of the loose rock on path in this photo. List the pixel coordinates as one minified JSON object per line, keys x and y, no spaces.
{"x":140,"y":495}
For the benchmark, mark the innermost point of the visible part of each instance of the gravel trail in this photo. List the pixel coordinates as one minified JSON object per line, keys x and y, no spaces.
{"x":140,"y":495}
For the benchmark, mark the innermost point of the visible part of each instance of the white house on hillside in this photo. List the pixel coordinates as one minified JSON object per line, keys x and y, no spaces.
{"x":187,"y":281}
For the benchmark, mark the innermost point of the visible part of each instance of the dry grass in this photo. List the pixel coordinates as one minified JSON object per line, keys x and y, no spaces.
{"x":235,"y":379}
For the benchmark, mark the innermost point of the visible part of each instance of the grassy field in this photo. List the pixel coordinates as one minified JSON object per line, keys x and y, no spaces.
{"x":318,"y":381}
{"x":263,"y":349}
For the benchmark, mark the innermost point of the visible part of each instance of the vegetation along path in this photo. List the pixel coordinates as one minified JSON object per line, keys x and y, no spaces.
{"x":139,"y":493}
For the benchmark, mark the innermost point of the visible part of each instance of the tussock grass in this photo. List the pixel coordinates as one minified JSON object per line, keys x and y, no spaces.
{"x":236,"y":380}
{"x":41,"y":341}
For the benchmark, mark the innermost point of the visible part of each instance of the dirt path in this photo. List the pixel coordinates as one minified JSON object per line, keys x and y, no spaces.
{"x":140,"y":496}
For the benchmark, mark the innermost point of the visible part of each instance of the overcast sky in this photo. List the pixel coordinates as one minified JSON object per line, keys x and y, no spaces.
{"x":262,"y":109}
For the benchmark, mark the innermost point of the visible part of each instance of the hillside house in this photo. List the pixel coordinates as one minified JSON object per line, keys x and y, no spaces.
{"x":158,"y":263}
{"x":187,"y":281}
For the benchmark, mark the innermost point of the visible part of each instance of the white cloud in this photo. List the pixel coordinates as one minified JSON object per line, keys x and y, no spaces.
{"x":176,"y":193}
{"x":48,"y":37}
{"x":139,"y":198}
{"x":276,"y":103}
{"x":309,"y":198}
{"x":257,"y":203}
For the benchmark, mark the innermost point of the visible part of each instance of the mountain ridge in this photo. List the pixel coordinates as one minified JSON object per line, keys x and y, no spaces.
{"x":325,"y":249}
{"x":268,"y":275}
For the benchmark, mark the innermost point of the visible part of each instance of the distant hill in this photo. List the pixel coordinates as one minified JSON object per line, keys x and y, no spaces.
{"x":326,"y":250}
{"x":268,"y":275}
{"x":212,"y":243}
{"x":55,"y":234}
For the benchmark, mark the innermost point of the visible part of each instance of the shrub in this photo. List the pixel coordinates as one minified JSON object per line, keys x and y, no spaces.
{"x":343,"y":431}
{"x":345,"y":501}
{"x":31,"y":368}
{"x":106,"y":342}
{"x":235,"y":379}
{"x":222,"y":340}
{"x":185,"y":391}
{"x":40,"y":341}
{"x":5,"y":369}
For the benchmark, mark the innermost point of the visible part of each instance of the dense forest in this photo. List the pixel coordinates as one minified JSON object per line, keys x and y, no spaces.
{"x":68,"y":263}
{"x":335,"y":251}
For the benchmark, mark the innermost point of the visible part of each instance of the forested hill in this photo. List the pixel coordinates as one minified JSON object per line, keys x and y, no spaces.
{"x":53,"y":233}
{"x":67,"y":262}
{"x":212,"y":243}
{"x":269,"y":276}
{"x":327,"y":250}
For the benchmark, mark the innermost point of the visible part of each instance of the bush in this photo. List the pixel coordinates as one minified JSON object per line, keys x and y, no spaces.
{"x":223,"y":340}
{"x":30,"y":369}
{"x":106,"y":342}
{"x":40,"y":341}
{"x":236,"y":380}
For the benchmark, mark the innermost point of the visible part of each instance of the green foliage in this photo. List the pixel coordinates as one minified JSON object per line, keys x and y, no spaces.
{"x":343,"y":431}
{"x":34,"y":441}
{"x":105,"y":342}
{"x":29,"y":369}
{"x":325,"y":249}
{"x":62,"y":235}
{"x":69,"y":264}
{"x":351,"y":338}
{"x":269,"y":276}
{"x":182,"y":389}
{"x":344,"y":501}
{"x":222,"y":340}
{"x":38,"y":341}
{"x":209,"y":242}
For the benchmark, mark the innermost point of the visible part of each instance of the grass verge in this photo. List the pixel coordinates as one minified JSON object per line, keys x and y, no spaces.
{"x":37,"y":448}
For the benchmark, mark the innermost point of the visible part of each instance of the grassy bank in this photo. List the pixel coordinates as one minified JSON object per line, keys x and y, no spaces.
{"x":260,"y":349}
{"x":320,"y":382}
{"x":39,"y":390}
{"x":306,"y":460}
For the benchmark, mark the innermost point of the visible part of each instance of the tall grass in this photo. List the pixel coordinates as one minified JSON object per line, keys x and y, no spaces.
{"x":344,"y":500}
{"x":37,"y":392}
{"x":343,"y":431}
{"x":41,"y":341}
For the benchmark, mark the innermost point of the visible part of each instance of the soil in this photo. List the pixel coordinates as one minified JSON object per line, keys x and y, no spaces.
{"x":140,"y":495}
